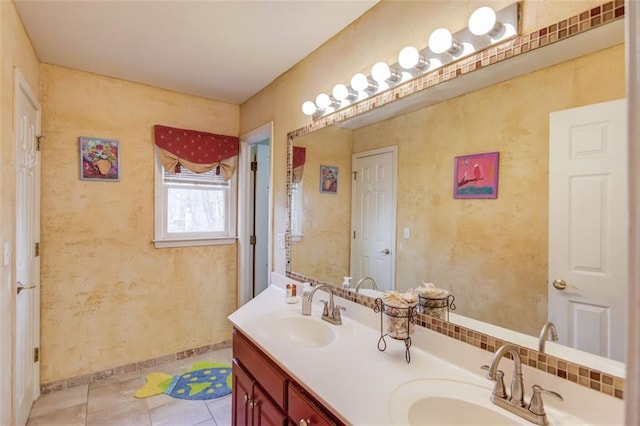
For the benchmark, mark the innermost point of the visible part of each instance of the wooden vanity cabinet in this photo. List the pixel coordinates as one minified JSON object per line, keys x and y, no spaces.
{"x":263,"y":394}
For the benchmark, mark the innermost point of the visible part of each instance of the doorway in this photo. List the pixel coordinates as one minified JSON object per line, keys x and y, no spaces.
{"x":373,"y":216}
{"x":26,"y":363}
{"x":255,"y":206}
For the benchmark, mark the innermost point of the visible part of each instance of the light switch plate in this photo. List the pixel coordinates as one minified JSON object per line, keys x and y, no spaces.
{"x":280,"y":240}
{"x":406,"y":233}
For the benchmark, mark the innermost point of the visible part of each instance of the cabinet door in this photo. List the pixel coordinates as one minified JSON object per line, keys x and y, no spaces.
{"x":242,"y":392}
{"x":264,"y":411}
{"x":304,"y":411}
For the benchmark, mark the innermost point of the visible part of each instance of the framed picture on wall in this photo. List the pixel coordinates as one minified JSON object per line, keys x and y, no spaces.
{"x":329,"y":179}
{"x":99,"y":159}
{"x":476,"y":176}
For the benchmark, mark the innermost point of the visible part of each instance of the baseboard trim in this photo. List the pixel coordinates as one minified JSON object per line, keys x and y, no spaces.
{"x":98,"y":376}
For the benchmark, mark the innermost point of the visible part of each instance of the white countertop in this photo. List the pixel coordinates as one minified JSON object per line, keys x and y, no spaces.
{"x":356,"y":380}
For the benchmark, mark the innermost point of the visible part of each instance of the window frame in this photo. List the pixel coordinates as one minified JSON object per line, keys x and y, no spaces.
{"x":164,"y":239}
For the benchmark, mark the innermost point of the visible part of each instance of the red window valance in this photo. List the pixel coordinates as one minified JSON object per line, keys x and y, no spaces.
{"x":299,"y":157}
{"x":195,"y":150}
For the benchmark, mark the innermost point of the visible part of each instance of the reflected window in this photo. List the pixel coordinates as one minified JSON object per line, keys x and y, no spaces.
{"x":297,"y":215}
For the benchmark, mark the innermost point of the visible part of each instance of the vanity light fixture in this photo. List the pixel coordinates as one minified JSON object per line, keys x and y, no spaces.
{"x":441,"y":41}
{"x":324,"y":101}
{"x":341,"y":92}
{"x":309,"y":108}
{"x":486,"y":28}
{"x":484,"y":21}
{"x":362,"y":83}
{"x":381,"y":72}
{"x":410,"y":58}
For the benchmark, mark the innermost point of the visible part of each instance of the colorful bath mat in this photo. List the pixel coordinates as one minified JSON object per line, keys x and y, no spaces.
{"x":205,"y":380}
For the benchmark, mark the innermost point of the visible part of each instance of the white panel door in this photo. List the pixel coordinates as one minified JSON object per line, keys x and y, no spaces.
{"x":261,"y":211}
{"x":588,"y":227}
{"x":27,"y":277}
{"x":373,"y":217}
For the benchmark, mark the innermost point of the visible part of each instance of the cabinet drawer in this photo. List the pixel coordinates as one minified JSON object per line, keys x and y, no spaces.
{"x":271,"y":378}
{"x":302,"y":407}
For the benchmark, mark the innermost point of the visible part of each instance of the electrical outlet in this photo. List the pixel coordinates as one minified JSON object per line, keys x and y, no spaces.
{"x":280,"y":240}
{"x":406,"y":233}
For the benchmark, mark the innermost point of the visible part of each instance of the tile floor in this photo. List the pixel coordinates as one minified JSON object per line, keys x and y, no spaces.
{"x":111,"y":402}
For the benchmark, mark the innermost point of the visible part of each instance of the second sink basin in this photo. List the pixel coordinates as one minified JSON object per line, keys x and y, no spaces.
{"x":299,"y":330}
{"x":446,"y":402}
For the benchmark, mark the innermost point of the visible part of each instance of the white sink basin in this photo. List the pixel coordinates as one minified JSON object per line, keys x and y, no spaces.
{"x":298,"y":330}
{"x":447,"y":402}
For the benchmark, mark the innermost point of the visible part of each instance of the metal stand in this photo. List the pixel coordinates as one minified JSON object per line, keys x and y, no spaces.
{"x":405,"y":316}
{"x":434,"y":307}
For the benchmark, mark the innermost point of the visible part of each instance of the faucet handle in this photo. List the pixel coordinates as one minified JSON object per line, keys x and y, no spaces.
{"x":325,"y":310}
{"x":499,"y":389}
{"x":336,"y":312}
{"x":536,"y":406}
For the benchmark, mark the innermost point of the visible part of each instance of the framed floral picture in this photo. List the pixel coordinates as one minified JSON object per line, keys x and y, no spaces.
{"x":476,"y":176}
{"x":329,"y":179}
{"x":99,"y":159}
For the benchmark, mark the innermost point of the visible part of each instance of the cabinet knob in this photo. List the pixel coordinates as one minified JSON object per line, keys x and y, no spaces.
{"x":304,"y":422}
{"x":253,"y":404}
{"x":246,"y":398}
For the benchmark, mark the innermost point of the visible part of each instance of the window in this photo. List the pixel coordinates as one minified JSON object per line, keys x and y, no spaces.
{"x":193,"y":208}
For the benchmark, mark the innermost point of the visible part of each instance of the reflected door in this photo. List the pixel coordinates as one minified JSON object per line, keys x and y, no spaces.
{"x":373,"y":217}
{"x":588,"y":227}
{"x":27,"y":260}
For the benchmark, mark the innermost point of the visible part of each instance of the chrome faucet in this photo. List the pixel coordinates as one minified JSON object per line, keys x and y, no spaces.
{"x":331,"y":311}
{"x":534,"y":412}
{"x":544,"y":335}
{"x":362,"y":280}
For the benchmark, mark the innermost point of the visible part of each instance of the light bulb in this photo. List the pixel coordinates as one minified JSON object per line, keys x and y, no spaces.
{"x":323,"y":101}
{"x":410,"y":58}
{"x":309,"y":108}
{"x":441,"y":40}
{"x":361,"y":82}
{"x":381,"y":73}
{"x":342,"y":92}
{"x":484,"y":21}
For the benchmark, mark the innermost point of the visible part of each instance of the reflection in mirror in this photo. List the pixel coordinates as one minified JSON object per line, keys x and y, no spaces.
{"x":491,"y":254}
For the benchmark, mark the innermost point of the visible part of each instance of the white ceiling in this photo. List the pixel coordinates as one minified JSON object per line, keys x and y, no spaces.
{"x":222,"y":50}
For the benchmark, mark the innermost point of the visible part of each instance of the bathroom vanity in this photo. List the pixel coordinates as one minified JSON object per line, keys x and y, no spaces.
{"x":290,"y":368}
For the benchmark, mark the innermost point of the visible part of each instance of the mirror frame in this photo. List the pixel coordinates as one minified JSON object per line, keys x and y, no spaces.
{"x":382,"y":106}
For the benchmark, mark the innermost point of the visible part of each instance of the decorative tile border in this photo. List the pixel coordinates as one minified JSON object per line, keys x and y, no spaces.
{"x":129,"y":368}
{"x":572,"y":26}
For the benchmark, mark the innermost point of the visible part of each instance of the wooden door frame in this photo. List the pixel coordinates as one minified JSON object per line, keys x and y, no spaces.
{"x":245,"y":220}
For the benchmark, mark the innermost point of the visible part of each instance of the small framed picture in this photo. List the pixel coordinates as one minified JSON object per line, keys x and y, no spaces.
{"x":329,"y":179}
{"x":99,"y":159}
{"x":476,"y":176}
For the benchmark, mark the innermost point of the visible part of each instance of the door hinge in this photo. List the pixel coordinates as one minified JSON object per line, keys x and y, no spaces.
{"x":37,"y":249}
{"x":38,"y":138}
{"x":252,"y":240}
{"x":354,"y":175}
{"x":36,"y":354}
{"x":254,"y":166}
{"x":354,"y":235}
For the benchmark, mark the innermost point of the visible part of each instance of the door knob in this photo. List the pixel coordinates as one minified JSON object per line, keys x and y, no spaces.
{"x":24,"y":287}
{"x":561,"y":284}
{"x":385,"y":252}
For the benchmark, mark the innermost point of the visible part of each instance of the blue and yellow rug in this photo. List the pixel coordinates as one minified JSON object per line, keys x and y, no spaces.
{"x":205,"y":380}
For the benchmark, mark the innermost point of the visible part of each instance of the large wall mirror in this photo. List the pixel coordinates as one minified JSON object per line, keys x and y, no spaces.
{"x":491,"y":254}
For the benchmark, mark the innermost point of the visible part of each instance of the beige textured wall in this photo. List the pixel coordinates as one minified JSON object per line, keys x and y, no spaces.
{"x":323,"y":252}
{"x":108,"y":296}
{"x":377,"y":35}
{"x":492,"y":254}
{"x":15,"y":52}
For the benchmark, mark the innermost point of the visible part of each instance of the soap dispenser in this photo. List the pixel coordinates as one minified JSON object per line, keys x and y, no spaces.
{"x":346,"y":283}
{"x":306,"y":303}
